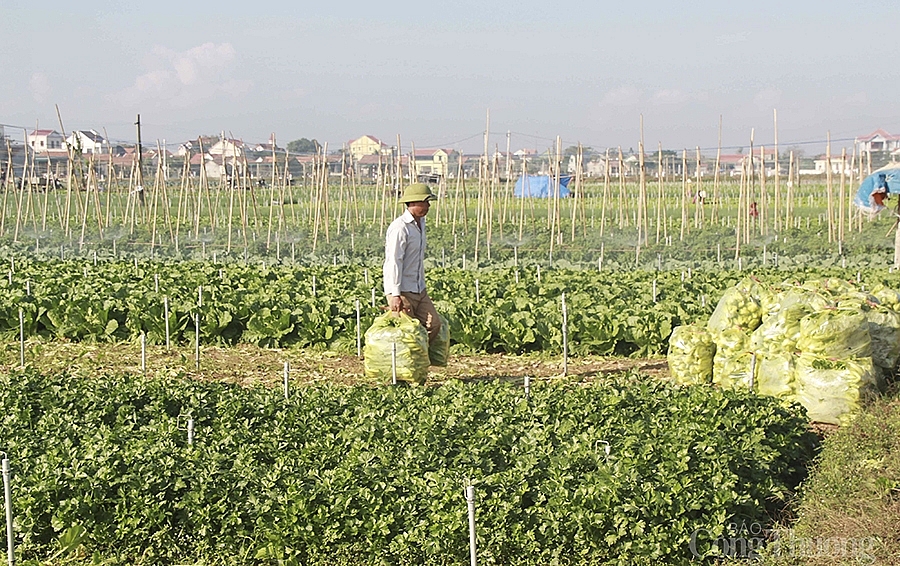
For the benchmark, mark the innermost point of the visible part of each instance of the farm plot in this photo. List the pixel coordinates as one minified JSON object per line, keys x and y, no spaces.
{"x":371,"y":475}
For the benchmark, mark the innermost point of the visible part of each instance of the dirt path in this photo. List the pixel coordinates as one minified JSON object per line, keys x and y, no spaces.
{"x":249,"y":364}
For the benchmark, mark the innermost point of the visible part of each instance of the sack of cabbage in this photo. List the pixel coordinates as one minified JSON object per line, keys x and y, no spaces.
{"x":398,"y":343}
{"x":823,"y":344}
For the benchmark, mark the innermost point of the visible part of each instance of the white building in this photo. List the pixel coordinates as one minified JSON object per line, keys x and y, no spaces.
{"x":227,"y":148}
{"x":45,"y":141}
{"x":838,"y":166}
{"x":879,"y":140}
{"x":88,"y":140}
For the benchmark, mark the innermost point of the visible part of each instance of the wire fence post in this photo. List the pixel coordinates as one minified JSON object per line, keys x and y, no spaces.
{"x":358,"y":332}
{"x":21,"y":338}
{"x":470,"y":502}
{"x":394,"y":363}
{"x":143,"y":353}
{"x":166,"y":317}
{"x":7,"y":500}
{"x":287,"y":373}
{"x":565,"y":335}
{"x":197,"y":339}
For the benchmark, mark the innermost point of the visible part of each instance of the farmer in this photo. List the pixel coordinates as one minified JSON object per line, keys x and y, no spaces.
{"x":881,"y":192}
{"x":404,"y":254}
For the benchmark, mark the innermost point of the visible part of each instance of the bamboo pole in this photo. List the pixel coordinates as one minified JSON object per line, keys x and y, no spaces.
{"x":716,"y":195}
{"x":742,"y":204}
{"x":659,"y":191}
{"x":842,"y":195}
{"x":683,"y":193}
{"x":777,"y":176}
{"x":751,"y":175}
{"x":642,"y":191}
{"x":828,"y":189}
{"x":763,"y":194}
{"x":698,"y":191}
{"x":789,"y":216}
{"x":620,"y":215}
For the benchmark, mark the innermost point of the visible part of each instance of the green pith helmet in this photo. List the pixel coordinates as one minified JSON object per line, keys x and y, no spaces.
{"x":417,"y":192}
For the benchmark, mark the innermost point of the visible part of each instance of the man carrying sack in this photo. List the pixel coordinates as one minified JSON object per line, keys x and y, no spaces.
{"x":404,"y":256}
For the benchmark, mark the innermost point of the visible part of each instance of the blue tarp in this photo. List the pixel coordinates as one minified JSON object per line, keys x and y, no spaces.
{"x":541,"y":186}
{"x":888,"y":177}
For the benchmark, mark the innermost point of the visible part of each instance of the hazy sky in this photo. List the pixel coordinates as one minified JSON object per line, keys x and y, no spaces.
{"x":429,"y":71}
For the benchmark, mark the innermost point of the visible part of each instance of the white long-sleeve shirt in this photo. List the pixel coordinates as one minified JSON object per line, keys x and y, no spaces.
{"x":404,"y":256}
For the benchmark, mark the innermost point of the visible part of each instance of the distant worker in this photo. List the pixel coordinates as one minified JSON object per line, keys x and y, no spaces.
{"x":404,"y":260}
{"x":881,"y":192}
{"x":754,"y":210}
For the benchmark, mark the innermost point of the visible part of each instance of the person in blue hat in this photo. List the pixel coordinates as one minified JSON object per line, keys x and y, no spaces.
{"x":881,"y":192}
{"x":404,"y":260}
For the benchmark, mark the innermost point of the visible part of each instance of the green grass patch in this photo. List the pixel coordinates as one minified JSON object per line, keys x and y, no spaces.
{"x":850,"y":507}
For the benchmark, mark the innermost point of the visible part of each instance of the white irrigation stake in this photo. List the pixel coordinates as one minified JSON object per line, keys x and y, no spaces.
{"x":156,"y":282}
{"x":197,"y":340}
{"x":477,"y":291}
{"x":517,"y":276}
{"x":470,"y":503}
{"x":143,"y":353}
{"x":166,"y":316}
{"x":600,"y":259}
{"x":373,"y":297}
{"x":190,"y":430}
{"x":858,"y":278}
{"x":7,"y":500}
{"x":752,"y":370}
{"x":464,"y":261}
{"x":527,"y":387}
{"x":200,"y":296}
{"x":313,"y":285}
{"x":287,"y":373}
{"x":21,"y":338}
{"x":654,"y":289}
{"x":358,"y":332}
{"x":565,"y":335}
{"x":28,"y":287}
{"x":366,"y":275}
{"x":135,"y":262}
{"x":516,"y":256}
{"x":393,"y":363}
{"x":95,"y":258}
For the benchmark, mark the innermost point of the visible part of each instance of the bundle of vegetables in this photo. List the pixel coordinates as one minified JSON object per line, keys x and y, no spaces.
{"x":835,"y":333}
{"x":400,"y":331}
{"x":779,"y":332}
{"x":439,"y":350}
{"x":690,"y":356}
{"x":886,"y":297}
{"x":831,"y":390}
{"x":884,"y":330}
{"x":775,"y":375}
{"x":739,"y":307}
{"x":832,"y":286}
{"x":733,"y":361}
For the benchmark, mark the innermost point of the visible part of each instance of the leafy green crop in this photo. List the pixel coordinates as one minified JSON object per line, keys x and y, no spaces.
{"x":378,"y":474}
{"x":515,"y":311}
